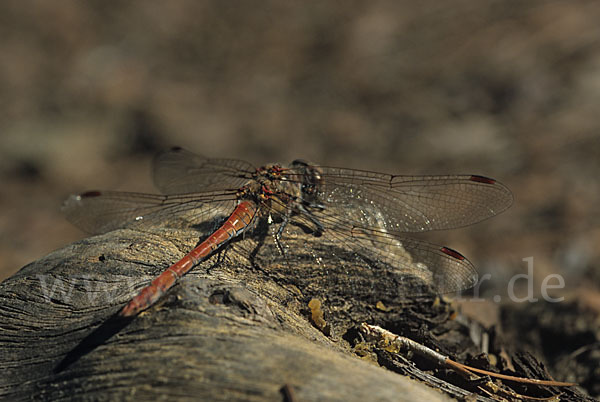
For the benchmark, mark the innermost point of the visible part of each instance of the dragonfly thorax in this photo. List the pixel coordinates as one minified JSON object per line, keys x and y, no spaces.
{"x":272,"y":188}
{"x":285,"y":191}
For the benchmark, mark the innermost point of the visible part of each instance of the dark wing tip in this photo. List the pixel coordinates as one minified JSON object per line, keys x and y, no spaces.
{"x":505,"y":197}
{"x":90,"y":194}
{"x":452,"y":253}
{"x":74,"y":200}
{"x":460,"y":275}
{"x":482,"y":179}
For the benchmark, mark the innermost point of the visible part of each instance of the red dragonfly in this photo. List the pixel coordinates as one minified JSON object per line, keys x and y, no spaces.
{"x":365,"y":211}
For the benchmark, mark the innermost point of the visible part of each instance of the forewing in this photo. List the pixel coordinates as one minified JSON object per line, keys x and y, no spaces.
{"x":103,"y":211}
{"x":410,"y":203}
{"x":177,"y":171}
{"x":368,"y":212}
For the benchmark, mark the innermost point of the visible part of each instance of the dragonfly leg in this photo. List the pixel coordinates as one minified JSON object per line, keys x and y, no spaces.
{"x":285,"y":219}
{"x":277,"y":236}
{"x":262,"y":230}
{"x":221,"y":255}
{"x":306,"y":212}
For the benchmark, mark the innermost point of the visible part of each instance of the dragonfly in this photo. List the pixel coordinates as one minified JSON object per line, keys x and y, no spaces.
{"x":365,"y":211}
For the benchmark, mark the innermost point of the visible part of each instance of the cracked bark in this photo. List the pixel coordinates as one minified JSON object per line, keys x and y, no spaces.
{"x":235,"y":328}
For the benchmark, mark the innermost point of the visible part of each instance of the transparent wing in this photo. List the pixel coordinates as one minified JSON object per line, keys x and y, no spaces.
{"x":445,"y":269}
{"x":368,"y":212}
{"x":177,"y":171}
{"x":103,"y":211}
{"x":365,"y":211}
{"x":398,"y":204}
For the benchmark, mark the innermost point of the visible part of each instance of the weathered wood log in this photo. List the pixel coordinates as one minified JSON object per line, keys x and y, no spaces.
{"x":236,"y":328}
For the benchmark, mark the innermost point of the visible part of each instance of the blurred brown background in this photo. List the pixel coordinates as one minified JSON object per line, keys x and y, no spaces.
{"x":89,"y":91}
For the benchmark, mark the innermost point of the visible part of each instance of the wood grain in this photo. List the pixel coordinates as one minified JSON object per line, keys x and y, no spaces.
{"x":235,"y":328}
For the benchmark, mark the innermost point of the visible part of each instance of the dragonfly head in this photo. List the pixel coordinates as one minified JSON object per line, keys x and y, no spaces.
{"x":310,"y":179}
